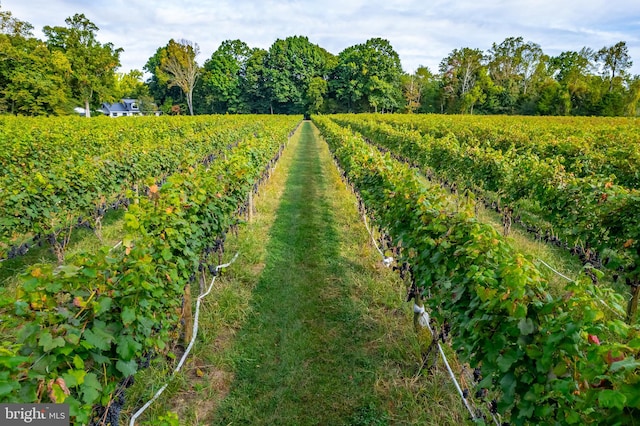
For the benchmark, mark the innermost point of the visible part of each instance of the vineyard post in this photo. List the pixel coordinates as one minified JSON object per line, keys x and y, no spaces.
{"x":250,"y":206}
{"x":137,"y":192}
{"x":187,"y":315}
{"x":632,"y":308}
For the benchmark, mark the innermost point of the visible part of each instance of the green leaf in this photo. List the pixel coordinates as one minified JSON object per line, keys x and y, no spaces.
{"x":131,"y":221}
{"x":12,"y":361}
{"x":104,"y":304}
{"x":89,"y":272}
{"x":166,"y":254}
{"x":91,"y":389}
{"x":128,"y":315}
{"x":48,"y":342}
{"x":573,"y":418}
{"x":612,"y":399}
{"x":632,"y":394}
{"x":526,"y":326}
{"x":508,"y":384}
{"x":506,"y":360}
{"x":74,"y":377}
{"x":627,"y":363}
{"x":72,"y":338}
{"x":98,"y":337}
{"x":78,"y":362}
{"x":635,"y":343}
{"x":127,"y":347}
{"x":99,"y":358}
{"x":127,"y":368}
{"x":45,"y":340}
{"x":68,"y":270}
{"x":91,"y":380}
{"x":7,"y":387}
{"x":90,"y":395}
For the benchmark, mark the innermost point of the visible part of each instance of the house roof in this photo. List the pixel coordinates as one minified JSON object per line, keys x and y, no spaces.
{"x":125,"y":106}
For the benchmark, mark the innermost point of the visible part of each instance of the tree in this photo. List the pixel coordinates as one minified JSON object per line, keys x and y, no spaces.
{"x":572,"y":70}
{"x":178,"y":67}
{"x":93,"y":64}
{"x":130,"y":85}
{"x":512,"y":64}
{"x":412,"y":87}
{"x":421,"y":91}
{"x":571,"y":66}
{"x":36,"y":83}
{"x":254,"y":82}
{"x":552,"y":99}
{"x":291,"y":66}
{"x":314,"y":97}
{"x":222,"y":75}
{"x":460,"y":71}
{"x":33,"y":80}
{"x":163,"y":96}
{"x":633,"y":97}
{"x":368,"y":76}
{"x":615,"y":60}
{"x":14,"y":27}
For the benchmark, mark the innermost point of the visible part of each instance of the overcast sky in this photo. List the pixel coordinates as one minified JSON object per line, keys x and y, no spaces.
{"x":423,"y":32}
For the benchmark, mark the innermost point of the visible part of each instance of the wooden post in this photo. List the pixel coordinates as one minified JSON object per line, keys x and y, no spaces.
{"x":250,"y":206}
{"x":632,"y":308}
{"x":137,"y":191}
{"x":187,"y":315}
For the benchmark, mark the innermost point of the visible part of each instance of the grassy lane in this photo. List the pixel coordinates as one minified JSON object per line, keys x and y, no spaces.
{"x":306,"y":354}
{"x":307,"y":327}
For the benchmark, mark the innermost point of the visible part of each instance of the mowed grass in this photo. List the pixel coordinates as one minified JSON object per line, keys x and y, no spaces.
{"x":307,"y":327}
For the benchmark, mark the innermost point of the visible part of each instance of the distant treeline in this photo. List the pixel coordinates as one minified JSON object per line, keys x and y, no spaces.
{"x":71,"y":68}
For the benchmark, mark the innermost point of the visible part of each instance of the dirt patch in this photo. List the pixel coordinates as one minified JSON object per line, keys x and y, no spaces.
{"x":205,"y":385}
{"x":208,"y":387}
{"x":257,"y":269}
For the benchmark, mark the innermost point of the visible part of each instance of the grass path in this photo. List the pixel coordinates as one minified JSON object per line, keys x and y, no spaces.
{"x":307,"y":327}
{"x":304,"y":352}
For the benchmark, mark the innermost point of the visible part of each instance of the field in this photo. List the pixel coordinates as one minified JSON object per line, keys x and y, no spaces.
{"x":110,"y":228}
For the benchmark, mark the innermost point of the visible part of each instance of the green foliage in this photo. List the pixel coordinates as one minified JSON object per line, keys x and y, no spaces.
{"x":130,"y":85}
{"x":84,"y":325}
{"x":295,"y":76}
{"x":314,"y":98}
{"x":50,"y":182}
{"x":36,"y":78}
{"x":168,"y":419}
{"x":92,"y":63}
{"x":367,"y":77}
{"x":291,"y":66}
{"x":163,"y":95}
{"x":580,"y":191}
{"x":222,"y":76}
{"x":177,"y":67}
{"x":461,"y":72}
{"x":253,"y":84}
{"x":541,"y":353}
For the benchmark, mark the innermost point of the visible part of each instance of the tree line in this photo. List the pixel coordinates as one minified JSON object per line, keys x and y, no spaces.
{"x":294,"y":76}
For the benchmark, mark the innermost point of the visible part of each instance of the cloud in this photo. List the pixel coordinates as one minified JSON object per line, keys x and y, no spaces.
{"x":423,"y":33}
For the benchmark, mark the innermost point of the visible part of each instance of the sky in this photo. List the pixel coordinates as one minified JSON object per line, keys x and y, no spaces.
{"x":423,"y":32}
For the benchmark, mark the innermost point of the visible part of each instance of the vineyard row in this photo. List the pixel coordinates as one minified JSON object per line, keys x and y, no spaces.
{"x":85,"y":326}
{"x":548,"y":357}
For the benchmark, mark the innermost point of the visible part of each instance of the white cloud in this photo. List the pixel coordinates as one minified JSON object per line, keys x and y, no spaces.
{"x":421,"y":32}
